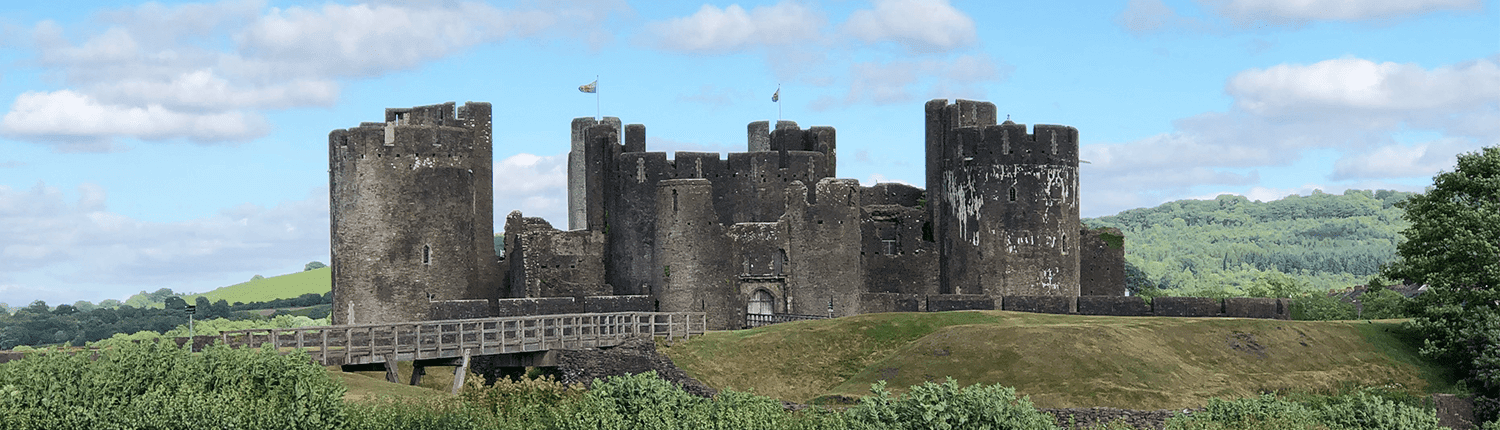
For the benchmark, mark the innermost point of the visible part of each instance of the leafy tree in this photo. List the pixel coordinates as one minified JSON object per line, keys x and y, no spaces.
{"x":1275,"y":284}
{"x":175,"y":303}
{"x":1453,"y":246}
{"x":314,"y":266}
{"x":84,"y":305}
{"x":109,"y":303}
{"x":257,"y":278}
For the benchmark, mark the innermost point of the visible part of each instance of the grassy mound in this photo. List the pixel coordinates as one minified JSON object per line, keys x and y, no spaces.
{"x":1059,"y":360}
{"x":318,"y":281}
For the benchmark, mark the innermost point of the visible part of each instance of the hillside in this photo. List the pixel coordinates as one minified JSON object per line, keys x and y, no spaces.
{"x":1218,"y":247}
{"x":318,"y":281}
{"x":1058,"y":360}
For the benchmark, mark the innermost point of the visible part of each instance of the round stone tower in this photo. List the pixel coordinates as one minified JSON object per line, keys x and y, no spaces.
{"x":411,"y":212}
{"x":1004,"y":202}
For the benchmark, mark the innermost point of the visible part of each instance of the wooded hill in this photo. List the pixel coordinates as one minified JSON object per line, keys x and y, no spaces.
{"x":1217,"y":248}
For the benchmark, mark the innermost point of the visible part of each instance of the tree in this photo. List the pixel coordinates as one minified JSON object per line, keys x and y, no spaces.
{"x":1453,"y":246}
{"x":84,"y":305}
{"x":314,"y":266}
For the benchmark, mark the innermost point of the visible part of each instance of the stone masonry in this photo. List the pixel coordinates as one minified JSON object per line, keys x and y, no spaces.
{"x":767,"y":231}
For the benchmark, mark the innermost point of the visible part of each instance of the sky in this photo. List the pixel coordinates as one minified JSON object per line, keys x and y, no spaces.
{"x":184,"y":145}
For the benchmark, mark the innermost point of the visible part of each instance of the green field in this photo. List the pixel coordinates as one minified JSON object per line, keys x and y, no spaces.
{"x":317,"y":281}
{"x":1059,"y":360}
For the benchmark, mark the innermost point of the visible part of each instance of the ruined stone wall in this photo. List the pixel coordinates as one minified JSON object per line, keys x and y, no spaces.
{"x":746,"y":187}
{"x":824,"y":263}
{"x":546,"y":262}
{"x":586,"y":168}
{"x":760,"y":249}
{"x":405,"y":212}
{"x":1007,"y":203}
{"x":696,"y":273}
{"x":1101,"y":262}
{"x":895,"y":256}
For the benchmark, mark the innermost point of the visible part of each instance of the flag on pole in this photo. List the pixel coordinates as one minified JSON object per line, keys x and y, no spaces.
{"x":591,"y":87}
{"x":776,"y":97}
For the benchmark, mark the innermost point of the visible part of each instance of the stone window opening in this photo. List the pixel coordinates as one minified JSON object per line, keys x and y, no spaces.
{"x":427,"y":254}
{"x":1012,"y":193}
{"x":674,"y":201}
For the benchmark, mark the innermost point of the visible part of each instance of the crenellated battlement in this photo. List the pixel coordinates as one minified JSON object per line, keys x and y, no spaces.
{"x":433,"y":132}
{"x":739,"y":236}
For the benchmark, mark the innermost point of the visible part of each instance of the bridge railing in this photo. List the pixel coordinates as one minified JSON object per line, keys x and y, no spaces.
{"x":757,"y":320}
{"x":371,"y":343}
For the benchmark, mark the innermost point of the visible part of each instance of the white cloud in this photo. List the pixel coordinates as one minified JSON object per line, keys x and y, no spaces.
{"x":1250,"y":12}
{"x":535,"y":185}
{"x":52,"y":243}
{"x":1351,"y":106}
{"x":72,"y":117}
{"x":366,"y":40}
{"x":731,"y":29}
{"x":919,"y":25}
{"x":1403,"y":161}
{"x":904,"y":80}
{"x":1360,"y":86}
{"x":203,"y":72}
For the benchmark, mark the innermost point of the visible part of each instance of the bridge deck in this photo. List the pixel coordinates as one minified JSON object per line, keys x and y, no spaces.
{"x":427,"y":340}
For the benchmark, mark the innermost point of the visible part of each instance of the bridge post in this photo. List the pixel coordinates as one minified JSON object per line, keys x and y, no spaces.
{"x":460,"y":372}
{"x":390,"y":369}
{"x":417,"y":370}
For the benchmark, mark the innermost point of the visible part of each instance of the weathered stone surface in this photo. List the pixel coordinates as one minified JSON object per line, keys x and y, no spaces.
{"x":1252,"y":307}
{"x":1133,"y":306}
{"x":460,"y":309}
{"x":960,"y":302}
{"x":1040,"y":304}
{"x":769,"y":228}
{"x":1187,"y":307}
{"x":537,"y":306}
{"x":411,"y":213}
{"x":1101,"y":262}
{"x":635,"y":356}
{"x":870,"y":303}
{"x":605,"y":304}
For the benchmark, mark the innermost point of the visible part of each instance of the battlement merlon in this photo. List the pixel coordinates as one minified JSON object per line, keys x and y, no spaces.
{"x":1010,"y":144}
{"x":421,"y":131}
{"x":446,"y":114}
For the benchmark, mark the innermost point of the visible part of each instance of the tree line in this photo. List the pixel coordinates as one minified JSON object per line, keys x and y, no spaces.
{"x":1221,"y":247}
{"x":39,"y":324}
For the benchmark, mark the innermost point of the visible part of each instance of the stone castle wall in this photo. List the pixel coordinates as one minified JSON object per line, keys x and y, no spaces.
{"x":410,"y":206}
{"x":766,"y":230}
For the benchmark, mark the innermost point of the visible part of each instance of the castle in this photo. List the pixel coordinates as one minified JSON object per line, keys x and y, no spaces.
{"x":761,"y":235}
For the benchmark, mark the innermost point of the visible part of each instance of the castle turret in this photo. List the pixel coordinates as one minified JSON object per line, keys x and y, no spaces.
{"x":1004,"y":202}
{"x":410,"y":212}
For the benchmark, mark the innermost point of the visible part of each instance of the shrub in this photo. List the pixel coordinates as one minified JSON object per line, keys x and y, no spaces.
{"x":1360,"y":410}
{"x":157,"y":385}
{"x":946,"y":406}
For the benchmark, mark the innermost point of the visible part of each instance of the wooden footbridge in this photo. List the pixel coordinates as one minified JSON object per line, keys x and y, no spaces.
{"x":514,"y":341}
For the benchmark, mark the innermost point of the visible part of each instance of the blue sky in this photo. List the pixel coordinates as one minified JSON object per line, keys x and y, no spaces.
{"x":183,"y":145}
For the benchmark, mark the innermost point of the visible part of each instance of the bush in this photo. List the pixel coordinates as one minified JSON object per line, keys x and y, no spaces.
{"x":157,"y":385}
{"x":1360,"y":410}
{"x":946,"y":406}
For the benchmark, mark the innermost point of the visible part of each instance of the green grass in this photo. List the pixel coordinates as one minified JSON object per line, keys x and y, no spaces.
{"x":318,"y":281}
{"x":372,"y":385}
{"x":1059,"y":360}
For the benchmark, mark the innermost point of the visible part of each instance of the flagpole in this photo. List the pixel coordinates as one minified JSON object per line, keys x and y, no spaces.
{"x":598,"y":113}
{"x":778,"y":102}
